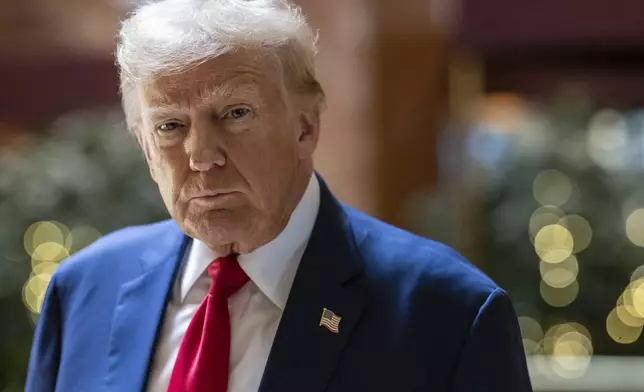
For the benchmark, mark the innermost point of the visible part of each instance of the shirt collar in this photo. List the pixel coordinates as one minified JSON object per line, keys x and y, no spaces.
{"x":272,"y":266}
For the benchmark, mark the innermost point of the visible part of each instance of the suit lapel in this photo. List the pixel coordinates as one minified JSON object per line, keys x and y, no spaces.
{"x":304,"y":354}
{"x":139,"y":309}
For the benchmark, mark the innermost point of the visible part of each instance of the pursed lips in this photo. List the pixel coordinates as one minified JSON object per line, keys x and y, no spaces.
{"x":213,"y":194}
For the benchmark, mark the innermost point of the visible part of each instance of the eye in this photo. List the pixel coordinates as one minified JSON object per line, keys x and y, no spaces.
{"x":169,"y":126}
{"x":237,"y":113}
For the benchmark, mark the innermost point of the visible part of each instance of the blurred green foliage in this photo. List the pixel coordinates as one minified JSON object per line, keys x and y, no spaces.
{"x":85,"y":170}
{"x":601,"y":151}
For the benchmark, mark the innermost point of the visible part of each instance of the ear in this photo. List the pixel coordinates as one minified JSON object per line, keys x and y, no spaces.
{"x":145,"y":147}
{"x":309,"y":131}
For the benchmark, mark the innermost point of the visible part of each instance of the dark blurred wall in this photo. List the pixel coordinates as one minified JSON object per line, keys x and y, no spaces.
{"x":534,"y":47}
{"x":55,"y":57}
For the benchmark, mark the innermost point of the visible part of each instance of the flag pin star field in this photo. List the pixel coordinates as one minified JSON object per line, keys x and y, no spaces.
{"x":330,"y":320}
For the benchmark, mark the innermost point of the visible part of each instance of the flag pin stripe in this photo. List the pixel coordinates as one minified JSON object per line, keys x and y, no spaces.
{"x":330,"y":320}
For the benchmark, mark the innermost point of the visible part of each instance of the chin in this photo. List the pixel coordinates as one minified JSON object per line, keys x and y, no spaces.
{"x":219,"y":227}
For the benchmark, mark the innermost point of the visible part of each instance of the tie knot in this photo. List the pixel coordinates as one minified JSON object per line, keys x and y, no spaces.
{"x":226,"y":275}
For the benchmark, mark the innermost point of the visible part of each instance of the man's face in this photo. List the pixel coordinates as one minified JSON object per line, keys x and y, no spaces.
{"x":229,"y":149}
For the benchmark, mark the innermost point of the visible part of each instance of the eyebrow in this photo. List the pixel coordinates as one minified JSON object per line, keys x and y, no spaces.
{"x":155,"y":112}
{"x":218,"y":91}
{"x":165,"y":105}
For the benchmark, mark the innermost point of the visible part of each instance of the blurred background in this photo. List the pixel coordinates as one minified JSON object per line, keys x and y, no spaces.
{"x":512,"y":131}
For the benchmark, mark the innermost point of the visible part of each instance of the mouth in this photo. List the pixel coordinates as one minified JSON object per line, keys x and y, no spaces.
{"x":212,"y":194}
{"x":215,"y":197}
{"x":208,"y":194}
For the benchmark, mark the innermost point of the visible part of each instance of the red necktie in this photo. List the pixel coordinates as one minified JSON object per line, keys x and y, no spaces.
{"x":203,"y":361}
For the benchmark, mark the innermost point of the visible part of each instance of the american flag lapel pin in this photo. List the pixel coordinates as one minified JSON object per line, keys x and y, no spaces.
{"x":330,"y":320}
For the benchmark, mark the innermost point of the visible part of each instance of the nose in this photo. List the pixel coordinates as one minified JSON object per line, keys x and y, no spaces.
{"x":204,"y":149}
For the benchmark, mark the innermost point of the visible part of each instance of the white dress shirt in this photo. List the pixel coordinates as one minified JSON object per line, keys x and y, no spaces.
{"x":255,"y":310}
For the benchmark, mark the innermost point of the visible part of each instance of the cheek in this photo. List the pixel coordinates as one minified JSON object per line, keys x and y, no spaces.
{"x":265,"y":155}
{"x":171,"y":168}
{"x":270,"y":168}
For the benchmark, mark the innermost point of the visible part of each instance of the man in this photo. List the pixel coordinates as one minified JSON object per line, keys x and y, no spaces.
{"x":261,"y":281}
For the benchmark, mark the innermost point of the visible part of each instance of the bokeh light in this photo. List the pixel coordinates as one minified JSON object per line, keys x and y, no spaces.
{"x":607,"y":139}
{"x":552,"y":187}
{"x":46,"y":267}
{"x":571,"y":354}
{"x":49,"y":243}
{"x":635,"y":227}
{"x":628,"y":318}
{"x":619,"y":331}
{"x":559,"y":297}
{"x":34,"y":291}
{"x":633,"y":298}
{"x":542,"y":217}
{"x":531,"y":347}
{"x":638,"y":273}
{"x":559,"y":275}
{"x":570,"y":348}
{"x":48,"y":252}
{"x":553,"y":243}
{"x":558,"y":330}
{"x":580,"y":229}
{"x":532,"y":333}
{"x":44,"y":232}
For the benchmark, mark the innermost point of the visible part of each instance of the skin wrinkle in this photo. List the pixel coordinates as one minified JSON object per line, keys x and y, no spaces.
{"x":295,"y":79}
{"x":175,"y":89}
{"x":264,"y":157}
{"x":166,"y":108}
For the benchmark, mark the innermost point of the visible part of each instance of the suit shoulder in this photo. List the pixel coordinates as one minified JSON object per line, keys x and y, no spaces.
{"x":113,"y":251}
{"x":428,"y":266}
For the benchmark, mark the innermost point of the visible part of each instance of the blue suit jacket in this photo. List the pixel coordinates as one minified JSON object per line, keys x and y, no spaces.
{"x":415,"y":315}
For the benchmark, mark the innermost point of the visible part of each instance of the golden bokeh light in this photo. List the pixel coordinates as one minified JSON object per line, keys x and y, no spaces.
{"x":633,"y":299}
{"x":530,"y":347}
{"x":48,"y":243}
{"x":556,"y":331}
{"x":530,"y":328}
{"x":638,"y":273}
{"x":44,"y":232}
{"x":561,"y":274}
{"x":34,"y":291}
{"x":542,"y":217}
{"x":532,"y":333}
{"x":571,"y":353}
{"x":559,"y":297}
{"x":81,"y":237}
{"x":620,"y":332}
{"x":629,"y":317}
{"x":45,"y":267}
{"x":580,"y":229}
{"x":636,"y":297}
{"x":553,"y":243}
{"x":47,"y":229}
{"x":52,"y":252}
{"x":635,"y":227}
{"x":552,"y":187}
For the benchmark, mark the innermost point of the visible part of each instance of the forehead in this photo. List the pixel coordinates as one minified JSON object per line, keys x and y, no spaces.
{"x":240,"y":72}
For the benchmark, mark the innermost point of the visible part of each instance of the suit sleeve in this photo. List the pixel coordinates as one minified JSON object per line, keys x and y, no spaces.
{"x":493,"y":358}
{"x":45,"y":349}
